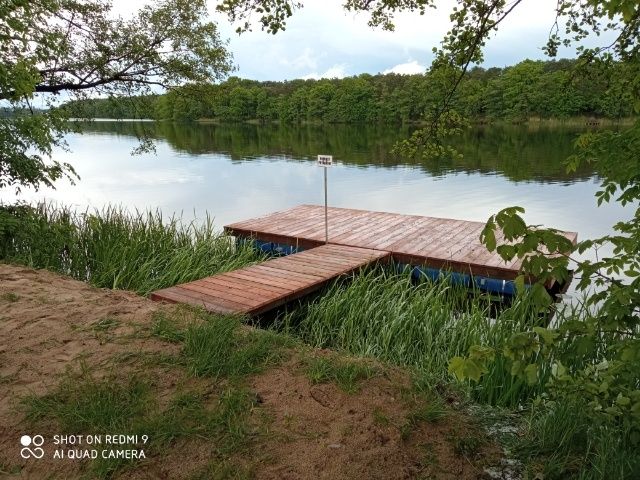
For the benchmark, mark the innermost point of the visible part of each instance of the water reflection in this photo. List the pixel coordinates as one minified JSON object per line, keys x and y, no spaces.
{"x":241,"y":171}
{"x":518,"y":153}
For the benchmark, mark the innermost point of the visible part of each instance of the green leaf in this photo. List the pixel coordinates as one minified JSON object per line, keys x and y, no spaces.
{"x":622,"y":400}
{"x":472,"y":370}
{"x":481,"y":353}
{"x":456,"y":367}
{"x":516,"y":368}
{"x":531,"y":373}
{"x":488,"y":236}
{"x":549,"y":336}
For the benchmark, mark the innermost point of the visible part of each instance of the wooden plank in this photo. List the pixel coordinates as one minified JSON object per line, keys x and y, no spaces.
{"x":343,"y":260}
{"x":273,"y":271}
{"x":269,"y":280}
{"x":174,"y":297}
{"x":303,"y":267}
{"x":324,"y":260}
{"x":396,"y":230}
{"x":338,"y":257}
{"x":242,"y":298}
{"x":211,"y":304}
{"x":243,"y":283}
{"x":259,"y":220}
{"x":293,"y":296}
{"x":338,"y":224}
{"x":359,"y":236}
{"x":269,"y":237}
{"x":239,"y":287}
{"x":310,"y":221}
{"x":447,"y":244}
{"x":290,"y":226}
{"x":297,"y":294}
{"x":221,"y":294}
{"x":259,"y":288}
{"x":393,"y":241}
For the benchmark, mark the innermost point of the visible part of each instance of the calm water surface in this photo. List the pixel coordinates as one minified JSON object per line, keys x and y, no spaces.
{"x":238,"y":172}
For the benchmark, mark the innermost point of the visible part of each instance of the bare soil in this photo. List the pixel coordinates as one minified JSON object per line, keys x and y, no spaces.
{"x":50,"y":324}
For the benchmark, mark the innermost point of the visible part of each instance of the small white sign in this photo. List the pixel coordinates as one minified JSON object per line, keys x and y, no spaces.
{"x":325,"y":160}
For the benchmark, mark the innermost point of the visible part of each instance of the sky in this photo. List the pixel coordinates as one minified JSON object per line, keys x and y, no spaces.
{"x":324,"y":40}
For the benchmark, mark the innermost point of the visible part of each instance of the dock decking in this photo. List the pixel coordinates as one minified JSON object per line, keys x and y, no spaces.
{"x":357,"y":238}
{"x":259,"y":288}
{"x":439,"y":243}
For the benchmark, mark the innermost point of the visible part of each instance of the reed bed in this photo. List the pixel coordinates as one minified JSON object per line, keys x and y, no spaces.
{"x":384,"y":314}
{"x":118,"y":249}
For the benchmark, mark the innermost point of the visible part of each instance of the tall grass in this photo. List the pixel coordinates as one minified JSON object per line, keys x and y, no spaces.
{"x":564,"y":442}
{"x":384,"y":314}
{"x":114,"y":248}
{"x":218,"y":348}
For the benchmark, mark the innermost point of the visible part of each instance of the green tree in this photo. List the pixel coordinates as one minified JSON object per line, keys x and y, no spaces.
{"x":546,"y":89}
{"x":522,"y":94}
{"x":319,"y":98}
{"x":75,"y":47}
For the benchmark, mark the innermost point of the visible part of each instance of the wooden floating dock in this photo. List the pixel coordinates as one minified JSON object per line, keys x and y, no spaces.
{"x":259,"y":288}
{"x":357,"y":238}
{"x":440,"y":243}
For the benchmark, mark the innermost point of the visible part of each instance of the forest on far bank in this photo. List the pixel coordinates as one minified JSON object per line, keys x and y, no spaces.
{"x":544,"y":89}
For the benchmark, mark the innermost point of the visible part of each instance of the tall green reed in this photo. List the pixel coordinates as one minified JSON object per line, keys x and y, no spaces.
{"x":385,"y":314}
{"x":114,"y":248}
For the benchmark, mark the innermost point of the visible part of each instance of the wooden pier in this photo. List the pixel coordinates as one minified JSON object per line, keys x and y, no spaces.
{"x":259,"y":288}
{"x":440,"y":243}
{"x":357,"y":238}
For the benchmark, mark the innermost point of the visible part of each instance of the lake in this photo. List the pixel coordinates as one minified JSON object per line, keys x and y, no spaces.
{"x":235,"y":172}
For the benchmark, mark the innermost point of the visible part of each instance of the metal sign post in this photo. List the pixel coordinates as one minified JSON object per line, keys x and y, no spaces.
{"x":325,"y":161}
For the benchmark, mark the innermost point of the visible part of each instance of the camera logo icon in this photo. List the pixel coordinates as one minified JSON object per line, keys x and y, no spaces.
{"x":28,"y":442}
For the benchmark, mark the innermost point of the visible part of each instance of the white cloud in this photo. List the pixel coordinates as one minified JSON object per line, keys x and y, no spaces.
{"x":306,"y":60}
{"x":323,"y":35}
{"x":337,"y":71}
{"x":408,"y":68}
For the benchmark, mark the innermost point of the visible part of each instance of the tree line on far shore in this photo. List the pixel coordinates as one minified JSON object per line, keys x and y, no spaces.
{"x":544,"y":89}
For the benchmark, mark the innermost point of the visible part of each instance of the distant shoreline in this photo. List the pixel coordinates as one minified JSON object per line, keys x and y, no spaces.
{"x":532,"y":121}
{"x":111,"y":120}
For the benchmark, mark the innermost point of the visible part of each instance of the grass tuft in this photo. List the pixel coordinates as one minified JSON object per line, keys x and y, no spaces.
{"x":166,"y":327}
{"x":219,"y":348}
{"x":347,"y":374}
{"x":223,"y":470}
{"x":105,"y":324}
{"x":84,"y":403}
{"x":9,"y":297}
{"x":467,"y":445}
{"x":381,"y":418}
{"x":564,"y":442}
{"x":432,"y":410}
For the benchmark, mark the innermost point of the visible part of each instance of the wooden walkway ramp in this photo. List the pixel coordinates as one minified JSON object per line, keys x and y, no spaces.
{"x":262,"y":287}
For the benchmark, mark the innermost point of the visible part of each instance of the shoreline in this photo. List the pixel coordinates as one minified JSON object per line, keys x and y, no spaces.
{"x":479,"y":122}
